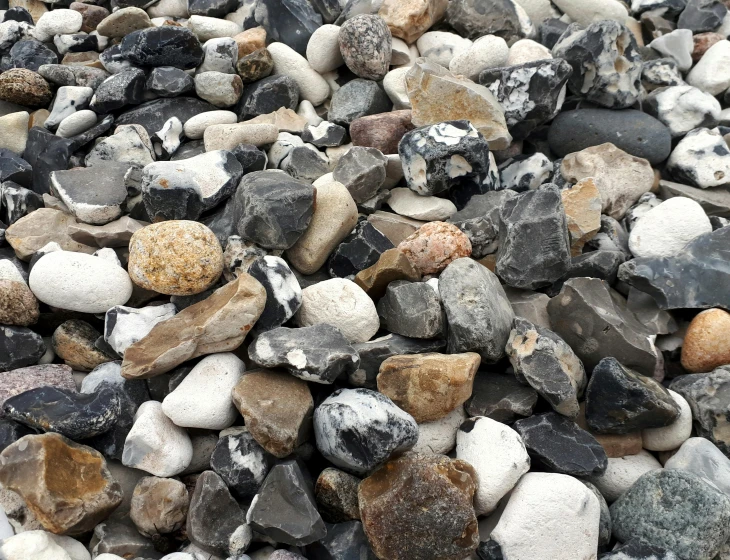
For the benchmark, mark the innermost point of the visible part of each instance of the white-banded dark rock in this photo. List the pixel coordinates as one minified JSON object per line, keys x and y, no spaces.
{"x":17,"y":201}
{"x":411,"y":309}
{"x":283,"y":293}
{"x":241,"y":462}
{"x":324,"y":135}
{"x":163,"y":46}
{"x":524,"y":173}
{"x":93,"y":195}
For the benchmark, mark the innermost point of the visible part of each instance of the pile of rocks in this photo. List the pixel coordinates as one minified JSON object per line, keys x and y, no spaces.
{"x":364,"y":279}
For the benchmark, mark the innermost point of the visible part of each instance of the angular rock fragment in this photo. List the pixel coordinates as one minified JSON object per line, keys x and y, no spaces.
{"x":290,"y":22}
{"x":283,"y":293}
{"x":391,"y":265}
{"x":163,"y":46}
{"x":492,"y":17}
{"x":362,"y":171}
{"x":336,"y":495}
{"x":701,"y":159}
{"x":240,"y":461}
{"x":500,"y":397}
{"x":93,"y":196}
{"x":411,"y":309}
{"x":345,"y":539}
{"x":123,"y":326}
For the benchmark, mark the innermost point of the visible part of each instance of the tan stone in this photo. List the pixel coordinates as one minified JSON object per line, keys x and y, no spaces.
{"x":39,"y":228}
{"x":636,"y":30}
{"x":707,"y":344}
{"x":428,"y":386}
{"x":284,"y":119}
{"x":489,"y":262}
{"x":88,"y":58}
{"x":620,"y":177}
{"x":159,"y":505}
{"x":228,"y":136}
{"x":396,"y":228}
{"x":409,"y":19}
{"x":67,"y":486}
{"x":35,"y":7}
{"x":436,"y":95}
{"x":18,"y":305}
{"x":24,"y":87}
{"x":582,"y":203}
{"x":335,"y":215}
{"x":434,"y":246}
{"x":176,"y":257}
{"x":392,"y":265}
{"x":123,"y":22}
{"x":38,"y":118}
{"x":219,"y":323}
{"x":615,"y":445}
{"x":277,"y":409}
{"x":73,"y":342}
{"x":14,"y":131}
{"x":250,"y":40}
{"x":114,"y":234}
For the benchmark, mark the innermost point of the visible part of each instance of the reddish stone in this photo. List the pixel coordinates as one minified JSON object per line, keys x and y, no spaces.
{"x":382,"y":131}
{"x":434,"y":246}
{"x":703,"y":41}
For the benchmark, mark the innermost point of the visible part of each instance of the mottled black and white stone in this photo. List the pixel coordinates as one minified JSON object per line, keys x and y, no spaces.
{"x":523,"y":173}
{"x":68,"y":100}
{"x":28,"y":53}
{"x":118,"y":90}
{"x":266,"y":96}
{"x":358,"y":98}
{"x":696,"y":278}
{"x":62,"y":75}
{"x":328,"y":9}
{"x":114,"y":61}
{"x":701,"y":16}
{"x":559,"y":445}
{"x":670,"y":8}
{"x":212,"y":8}
{"x":606,"y":63}
{"x":701,"y":159}
{"x":683,"y":108}
{"x":213,"y":515}
{"x":80,"y":42}
{"x":411,"y":309}
{"x":273,"y":209}
{"x":219,"y":54}
{"x":66,"y":412}
{"x":359,"y":429}
{"x":168,"y":81}
{"x":362,"y":171}
{"x":662,"y":72}
{"x":283,"y":293}
{"x":676,"y":510}
{"x":17,"y":201}
{"x":163,"y":46}
{"x":325,"y":134}
{"x":360,"y":250}
{"x":19,"y":347}
{"x":544,"y":361}
{"x":123,"y":326}
{"x":478,"y":312}
{"x":366,"y":46}
{"x":130,"y":145}
{"x":319,"y":354}
{"x":241,"y":462}
{"x":167,"y":140}
{"x":534,"y":245}
{"x":637,"y":550}
{"x":284,"y":509}
{"x":486,"y":17}
{"x":291,"y":22}
{"x":343,"y":540}
{"x":374,"y":352}
{"x":443,"y":157}
{"x":530,"y":94}
{"x":619,"y":400}
{"x":594,"y":320}
{"x":500,"y":397}
{"x":183,"y":189}
{"x":306,"y":163}
{"x":646,"y":202}
{"x":152,"y":115}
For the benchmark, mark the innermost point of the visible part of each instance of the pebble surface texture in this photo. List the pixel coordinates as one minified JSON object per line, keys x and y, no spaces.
{"x":365,"y":280}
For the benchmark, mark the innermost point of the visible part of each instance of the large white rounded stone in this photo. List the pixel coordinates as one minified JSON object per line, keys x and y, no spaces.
{"x":289,"y":62}
{"x":79,"y":282}
{"x":712,"y":72}
{"x":35,"y":545}
{"x":672,"y":436}
{"x":323,"y":49}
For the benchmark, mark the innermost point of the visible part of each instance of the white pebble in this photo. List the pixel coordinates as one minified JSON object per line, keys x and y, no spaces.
{"x":78,"y":122}
{"x":195,"y":126}
{"x":289,"y":62}
{"x":486,"y":52}
{"x":702,"y":457}
{"x":527,"y":50}
{"x":57,"y":22}
{"x":586,"y":12}
{"x":439,"y":436}
{"x":677,"y":44}
{"x":441,"y":46}
{"x":38,"y":545}
{"x":622,"y":472}
{"x":228,"y":136}
{"x":712,"y":72}
{"x":323,"y":49}
{"x":306,"y":110}
{"x":394,"y":85}
{"x":206,"y":28}
{"x":672,"y":436}
{"x":407,"y":203}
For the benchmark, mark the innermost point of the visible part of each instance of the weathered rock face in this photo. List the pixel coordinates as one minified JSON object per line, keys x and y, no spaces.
{"x":159,"y":505}
{"x":419,"y":507}
{"x":336,"y":495}
{"x":490,"y":17}
{"x":67,"y":486}
{"x":219,"y":323}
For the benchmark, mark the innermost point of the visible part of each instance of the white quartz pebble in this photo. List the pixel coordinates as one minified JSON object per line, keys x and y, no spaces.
{"x":672,"y":436}
{"x":712,"y":73}
{"x":57,"y":22}
{"x":439,"y":436}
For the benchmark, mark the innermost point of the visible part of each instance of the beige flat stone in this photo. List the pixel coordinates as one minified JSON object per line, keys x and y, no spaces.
{"x":228,"y":136}
{"x":114,"y":234}
{"x":39,"y":228}
{"x":394,"y":227}
{"x":14,"y":131}
{"x":285,"y":120}
{"x":409,"y":19}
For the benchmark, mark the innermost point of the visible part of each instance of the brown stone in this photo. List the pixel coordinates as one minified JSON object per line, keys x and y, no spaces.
{"x":434,"y":246}
{"x":159,"y":505}
{"x":392,"y":265}
{"x":20,"y":380}
{"x":336,"y":495}
{"x":436,"y":95}
{"x":582,"y":203}
{"x":176,"y":257}
{"x":489,"y":262}
{"x":420,"y":507}
{"x":73,"y":342}
{"x":428,"y":386}
{"x":284,"y":119}
{"x":40,"y":227}
{"x":396,"y":228}
{"x":703,"y":41}
{"x":91,"y":15}
{"x":615,"y":445}
{"x":123,"y":22}
{"x":255,"y":66}
{"x":66,"y":485}
{"x":18,"y":305}
{"x":706,"y":344}
{"x":88,"y":58}
{"x":277,"y":409}
{"x":409,"y":19}
{"x":250,"y":40}
{"x":38,"y":117}
{"x":114,"y":234}
{"x":219,"y":323}
{"x":382,"y":131}
{"x":24,"y":87}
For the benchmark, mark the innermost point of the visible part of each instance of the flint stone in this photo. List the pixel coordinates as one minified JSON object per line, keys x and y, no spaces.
{"x":500,"y":397}
{"x":168,"y":81}
{"x":291,"y":22}
{"x":21,"y":379}
{"x":153,"y":115}
{"x":357,"y":98}
{"x":20,"y":347}
{"x":336,"y":495}
{"x":359,"y":251}
{"x":411,"y":309}
{"x":241,"y":462}
{"x":702,"y":15}
{"x":92,"y":195}
{"x":491,"y":17}
{"x":118,"y":90}
{"x":163,"y":46}
{"x":266,"y":96}
{"x":283,"y":293}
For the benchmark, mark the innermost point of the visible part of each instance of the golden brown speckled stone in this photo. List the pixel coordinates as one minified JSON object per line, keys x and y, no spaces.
{"x":706,"y":344}
{"x":24,"y":87}
{"x":18,"y":305}
{"x":434,"y":246}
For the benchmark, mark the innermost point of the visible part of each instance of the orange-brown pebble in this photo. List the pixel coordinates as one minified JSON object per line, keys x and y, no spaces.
{"x":706,"y":344}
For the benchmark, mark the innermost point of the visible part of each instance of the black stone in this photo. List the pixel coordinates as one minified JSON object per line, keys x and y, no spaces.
{"x":19,"y":347}
{"x":696,"y":278}
{"x":490,"y":550}
{"x":560,"y":445}
{"x":534,"y":246}
{"x":29,"y":54}
{"x":284,"y":509}
{"x":291,"y":22}
{"x":19,"y":14}
{"x":250,"y":158}
{"x":17,"y":201}
{"x":596,"y":264}
{"x":114,"y":61}
{"x":358,"y":98}
{"x":124,"y":88}
{"x":273,"y":210}
{"x":536,"y":84}
{"x":188,"y":150}
{"x":500,"y":397}
{"x":411,"y":309}
{"x":702,"y":15}
{"x":46,"y":153}
{"x":472,"y":19}
{"x":637,"y":133}
{"x":326,"y":135}
{"x":241,"y":462}
{"x":283,"y":293}
{"x":221,"y":221}
{"x":328,"y":9}
{"x":11,"y":431}
{"x":15,"y":168}
{"x":611,"y":237}
{"x":620,"y":401}
{"x":266,"y":96}
{"x":75,"y":415}
{"x":305,"y":163}
{"x":344,"y":541}
{"x":362,"y":171}
{"x":358,"y":251}
{"x":637,"y":550}
{"x":550,"y":31}
{"x":163,"y":46}
{"x":168,"y":81}
{"x":212,"y":8}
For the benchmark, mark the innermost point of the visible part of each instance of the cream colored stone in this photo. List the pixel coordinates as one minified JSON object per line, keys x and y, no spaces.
{"x":228,"y":136}
{"x":14,"y":131}
{"x":39,"y":228}
{"x":409,"y":19}
{"x":285,"y":120}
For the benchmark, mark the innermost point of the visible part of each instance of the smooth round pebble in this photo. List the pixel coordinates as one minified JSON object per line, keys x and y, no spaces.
{"x":527,"y":50}
{"x":489,"y":51}
{"x":706,"y":342}
{"x":407,"y":203}
{"x":323,"y":49}
{"x":287,"y":61}
{"x":672,"y":436}
{"x":74,"y":124}
{"x":195,"y":126}
{"x":622,"y":472}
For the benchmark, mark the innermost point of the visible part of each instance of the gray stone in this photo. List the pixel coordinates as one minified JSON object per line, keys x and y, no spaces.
{"x":479,"y":219}
{"x":93,"y":195}
{"x":366,"y":46}
{"x":702,"y":15}
{"x":123,"y":539}
{"x":500,"y":397}
{"x":343,"y":540}
{"x":411,"y":309}
{"x":530,"y":305}
{"x":357,"y":98}
{"x":473,"y":19}
{"x":266,"y":96}
{"x":701,"y":457}
{"x":305,"y":163}
{"x":19,"y":347}
{"x":675,"y":510}
{"x":124,"y":88}
{"x":362,"y":171}
{"x":168,"y":81}
{"x":605,"y":525}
